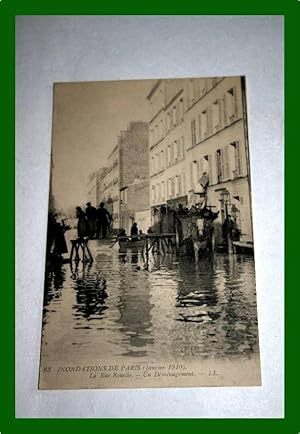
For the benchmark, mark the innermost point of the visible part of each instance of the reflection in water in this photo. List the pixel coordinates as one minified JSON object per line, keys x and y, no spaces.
{"x":90,"y":292}
{"x":135,"y":309}
{"x":170,"y":309}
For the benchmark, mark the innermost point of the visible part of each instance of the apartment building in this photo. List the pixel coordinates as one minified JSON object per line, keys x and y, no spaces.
{"x":198,"y":130}
{"x":110,"y":186}
{"x":127,"y":163}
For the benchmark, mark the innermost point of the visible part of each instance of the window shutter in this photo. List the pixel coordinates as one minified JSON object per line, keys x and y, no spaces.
{"x":222,"y":165}
{"x":226,"y":162}
{"x":175,"y":151}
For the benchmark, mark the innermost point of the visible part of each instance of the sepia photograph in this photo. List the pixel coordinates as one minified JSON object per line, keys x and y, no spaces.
{"x":149,"y":270}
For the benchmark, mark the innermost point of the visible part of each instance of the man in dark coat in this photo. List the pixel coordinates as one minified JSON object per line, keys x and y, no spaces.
{"x":91,"y":215}
{"x":103,"y":220}
{"x":134,"y":232}
{"x":82,"y":223}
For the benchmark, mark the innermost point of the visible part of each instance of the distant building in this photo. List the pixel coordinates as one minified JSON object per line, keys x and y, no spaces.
{"x":198,"y":127}
{"x":134,"y":205}
{"x":100,"y":177}
{"x":128,"y":166}
{"x":92,"y":188}
{"x":109,"y":193}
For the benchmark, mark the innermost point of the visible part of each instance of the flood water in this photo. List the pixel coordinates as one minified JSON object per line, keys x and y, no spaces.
{"x":174,"y":309}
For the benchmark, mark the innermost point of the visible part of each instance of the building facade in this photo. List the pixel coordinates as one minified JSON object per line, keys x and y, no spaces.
{"x":95,"y":186}
{"x":127,"y":175}
{"x":134,"y":205}
{"x":198,"y":127}
{"x":92,"y":188}
{"x":109,"y":193}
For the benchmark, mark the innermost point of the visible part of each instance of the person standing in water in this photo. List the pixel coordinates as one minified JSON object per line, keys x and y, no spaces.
{"x":103,"y":217}
{"x":134,"y":232}
{"x":82,"y":223}
{"x":91,"y":214}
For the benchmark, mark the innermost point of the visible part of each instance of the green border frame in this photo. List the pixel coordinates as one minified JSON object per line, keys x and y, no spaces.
{"x":8,"y":10}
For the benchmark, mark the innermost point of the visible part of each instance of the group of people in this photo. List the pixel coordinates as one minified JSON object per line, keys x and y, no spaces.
{"x":94,"y":222}
{"x":135,"y":233}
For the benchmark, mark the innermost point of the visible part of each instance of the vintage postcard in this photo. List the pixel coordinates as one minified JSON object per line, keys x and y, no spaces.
{"x":149,"y":273}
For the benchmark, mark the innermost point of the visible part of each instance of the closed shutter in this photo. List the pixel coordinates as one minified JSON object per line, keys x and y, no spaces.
{"x":222,"y":158}
{"x":175,"y":151}
{"x":226,"y":162}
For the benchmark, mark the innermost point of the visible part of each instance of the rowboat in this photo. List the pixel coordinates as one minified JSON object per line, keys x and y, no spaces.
{"x":135,"y":244}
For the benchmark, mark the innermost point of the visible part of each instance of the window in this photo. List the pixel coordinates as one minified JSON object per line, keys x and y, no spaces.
{"x":153,"y":194}
{"x":163,"y":192}
{"x":174,"y":116}
{"x":168,"y":122}
{"x":193,"y":131}
{"x":151,"y":136}
{"x":172,"y":187}
{"x":226,"y":162}
{"x":168,"y":155}
{"x":161,"y":129}
{"x":237,"y":160}
{"x":175,"y":151}
{"x":176,"y":185}
{"x":181,"y":109}
{"x":156,"y":163}
{"x":181,"y":148}
{"x":162,"y":160}
{"x":219,"y":165}
{"x":215,"y":116}
{"x":204,"y":123}
{"x":222,"y":163}
{"x":177,"y":114}
{"x":230,"y":101}
{"x":172,"y":153}
{"x":207,"y":167}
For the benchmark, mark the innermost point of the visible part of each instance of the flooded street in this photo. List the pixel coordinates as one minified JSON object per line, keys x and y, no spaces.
{"x":173,"y":309}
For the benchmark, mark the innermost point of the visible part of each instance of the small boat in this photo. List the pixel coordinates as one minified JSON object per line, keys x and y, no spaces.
{"x":135,"y":244}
